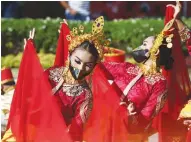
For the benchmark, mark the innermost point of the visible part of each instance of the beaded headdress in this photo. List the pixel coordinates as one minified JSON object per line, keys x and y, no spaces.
{"x":155,"y":48}
{"x":77,"y":36}
{"x":160,"y":37}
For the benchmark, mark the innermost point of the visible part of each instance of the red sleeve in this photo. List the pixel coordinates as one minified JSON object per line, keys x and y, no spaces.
{"x":138,"y":123}
{"x":188,"y":44}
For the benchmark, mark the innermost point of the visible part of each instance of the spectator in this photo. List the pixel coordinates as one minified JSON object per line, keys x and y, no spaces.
{"x":77,"y":10}
{"x":11,"y":9}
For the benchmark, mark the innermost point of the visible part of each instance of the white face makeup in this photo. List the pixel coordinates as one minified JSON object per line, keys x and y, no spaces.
{"x":82,"y":60}
{"x":147,"y":43}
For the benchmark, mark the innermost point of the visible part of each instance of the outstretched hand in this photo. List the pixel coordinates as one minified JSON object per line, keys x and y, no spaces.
{"x":177,"y":8}
{"x":131,"y":109}
{"x":31,"y":36}
{"x":187,"y":123}
{"x":65,"y":22}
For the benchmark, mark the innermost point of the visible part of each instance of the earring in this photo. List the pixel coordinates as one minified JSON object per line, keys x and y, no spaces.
{"x":168,"y":39}
{"x":169,"y":45}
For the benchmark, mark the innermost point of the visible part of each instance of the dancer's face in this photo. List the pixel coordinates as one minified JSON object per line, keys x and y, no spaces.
{"x":141,"y":53}
{"x":147,"y":43}
{"x":81,"y":63}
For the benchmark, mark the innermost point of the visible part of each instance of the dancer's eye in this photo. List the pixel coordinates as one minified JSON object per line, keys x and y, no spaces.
{"x":77,"y":61}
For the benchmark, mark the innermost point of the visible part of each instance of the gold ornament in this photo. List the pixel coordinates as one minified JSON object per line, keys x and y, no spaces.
{"x":169,"y":45}
{"x":96,"y":37}
{"x":155,"y":48}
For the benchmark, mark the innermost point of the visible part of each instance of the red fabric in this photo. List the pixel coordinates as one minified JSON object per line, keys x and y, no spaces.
{"x":75,"y":105}
{"x":6,"y":74}
{"x":178,"y":89}
{"x":62,"y":47}
{"x":108,"y":119}
{"x":178,"y":77}
{"x":149,"y":88}
{"x":188,"y":139}
{"x":105,"y":123}
{"x":34,"y":114}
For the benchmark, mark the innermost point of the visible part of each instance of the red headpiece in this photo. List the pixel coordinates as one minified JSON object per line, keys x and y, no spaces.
{"x":6,"y":76}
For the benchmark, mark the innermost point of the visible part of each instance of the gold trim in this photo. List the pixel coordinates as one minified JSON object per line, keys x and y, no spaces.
{"x":8,"y":136}
{"x":4,"y":68}
{"x":6,"y":80}
{"x":9,"y":89}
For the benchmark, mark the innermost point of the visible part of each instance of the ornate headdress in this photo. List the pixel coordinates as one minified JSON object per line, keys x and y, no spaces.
{"x":77,"y":36}
{"x":157,"y":43}
{"x":160,"y":37}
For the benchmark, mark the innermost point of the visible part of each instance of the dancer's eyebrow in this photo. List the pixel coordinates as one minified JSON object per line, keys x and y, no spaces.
{"x":82,"y":61}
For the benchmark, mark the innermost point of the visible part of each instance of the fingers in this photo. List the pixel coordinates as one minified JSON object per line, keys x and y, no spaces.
{"x":187,"y":122}
{"x":131,"y":106}
{"x":131,"y":109}
{"x":132,"y":113}
{"x":25,"y":42}
{"x":65,"y":21}
{"x":32,"y":33}
{"x":123,"y":103}
{"x":178,"y":3}
{"x":170,"y":5}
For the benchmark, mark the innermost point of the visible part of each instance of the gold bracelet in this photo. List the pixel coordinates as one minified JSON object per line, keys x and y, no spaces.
{"x":184,"y":34}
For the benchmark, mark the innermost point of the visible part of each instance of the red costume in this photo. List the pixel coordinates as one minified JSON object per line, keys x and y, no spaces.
{"x":112,"y":120}
{"x":178,"y":89}
{"x":44,"y":106}
{"x":75,"y":102}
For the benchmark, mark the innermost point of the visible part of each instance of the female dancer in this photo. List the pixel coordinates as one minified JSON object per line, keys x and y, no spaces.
{"x":41,"y":118}
{"x":130,"y":96}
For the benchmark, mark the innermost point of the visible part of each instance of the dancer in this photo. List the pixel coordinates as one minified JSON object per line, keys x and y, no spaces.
{"x":7,"y":90}
{"x":76,"y":56}
{"x":129,"y":96}
{"x":178,"y":82}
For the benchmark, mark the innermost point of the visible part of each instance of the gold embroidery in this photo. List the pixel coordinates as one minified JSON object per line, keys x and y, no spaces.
{"x":184,"y":34}
{"x":174,"y":139}
{"x":133,"y":70}
{"x":56,"y":74}
{"x":86,"y":107}
{"x":161,"y":100}
{"x":74,"y":89}
{"x":152,"y":79}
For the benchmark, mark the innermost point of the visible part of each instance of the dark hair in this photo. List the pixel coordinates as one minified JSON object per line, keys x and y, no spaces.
{"x":165,"y":56}
{"x":9,"y":83}
{"x":90,"y":47}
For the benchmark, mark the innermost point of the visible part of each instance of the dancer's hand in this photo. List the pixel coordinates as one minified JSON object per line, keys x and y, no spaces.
{"x":131,"y":109}
{"x":25,"y":43}
{"x":65,"y":22}
{"x":187,"y":123}
{"x":32,"y":33}
{"x":31,"y":36}
{"x":177,"y":8}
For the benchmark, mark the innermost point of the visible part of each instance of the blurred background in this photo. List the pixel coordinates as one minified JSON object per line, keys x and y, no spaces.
{"x":127,"y":24}
{"x":109,"y":9}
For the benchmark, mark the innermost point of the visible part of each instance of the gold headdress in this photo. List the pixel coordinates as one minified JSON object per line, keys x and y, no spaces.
{"x":157,"y":43}
{"x":96,"y":37}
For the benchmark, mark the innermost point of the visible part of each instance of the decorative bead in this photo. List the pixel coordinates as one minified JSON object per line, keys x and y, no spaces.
{"x":169,"y":45}
{"x":168,"y":39}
